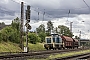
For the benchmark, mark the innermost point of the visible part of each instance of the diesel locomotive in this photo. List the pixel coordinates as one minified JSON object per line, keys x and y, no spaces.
{"x":56,"y":41}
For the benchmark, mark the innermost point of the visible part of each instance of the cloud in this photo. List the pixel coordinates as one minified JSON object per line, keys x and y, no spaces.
{"x":7,"y":22}
{"x":60,"y":8}
{"x":52,"y":8}
{"x":6,"y":12}
{"x":55,"y":10}
{"x":9,"y":8}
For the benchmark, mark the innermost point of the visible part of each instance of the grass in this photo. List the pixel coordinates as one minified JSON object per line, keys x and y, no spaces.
{"x":13,"y":47}
{"x":67,"y":54}
{"x":36,"y":47}
{"x":36,"y":59}
{"x":51,"y":57}
{"x":9,"y":47}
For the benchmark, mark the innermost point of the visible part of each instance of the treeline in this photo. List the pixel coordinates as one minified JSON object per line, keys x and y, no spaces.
{"x":12,"y":33}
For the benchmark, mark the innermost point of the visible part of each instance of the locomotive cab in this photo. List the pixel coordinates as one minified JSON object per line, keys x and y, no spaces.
{"x":53,"y":42}
{"x":48,"y":43}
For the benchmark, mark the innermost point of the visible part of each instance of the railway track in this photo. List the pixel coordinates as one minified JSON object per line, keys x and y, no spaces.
{"x":75,"y":57}
{"x":8,"y":53}
{"x":33,"y":54}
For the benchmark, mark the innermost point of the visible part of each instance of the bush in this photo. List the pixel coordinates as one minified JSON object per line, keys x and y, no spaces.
{"x":42,"y":35}
{"x":10,"y":34}
{"x":33,"y":38}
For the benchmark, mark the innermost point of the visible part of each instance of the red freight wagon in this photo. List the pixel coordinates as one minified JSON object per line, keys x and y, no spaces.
{"x":68,"y":41}
{"x":76,"y":44}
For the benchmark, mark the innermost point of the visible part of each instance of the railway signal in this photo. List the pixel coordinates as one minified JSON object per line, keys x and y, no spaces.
{"x":28,"y":13}
{"x":28,"y":17}
{"x":28,"y":27}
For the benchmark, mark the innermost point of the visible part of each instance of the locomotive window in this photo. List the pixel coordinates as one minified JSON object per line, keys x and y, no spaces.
{"x":57,"y":40}
{"x":48,"y":40}
{"x":53,"y":39}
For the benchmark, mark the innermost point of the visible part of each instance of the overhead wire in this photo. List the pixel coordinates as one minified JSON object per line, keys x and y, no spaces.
{"x":86,"y":4}
{"x":43,"y":13}
{"x":15,"y":1}
{"x":40,"y":12}
{"x":46,"y":13}
{"x":6,"y":11}
{"x":55,"y":9}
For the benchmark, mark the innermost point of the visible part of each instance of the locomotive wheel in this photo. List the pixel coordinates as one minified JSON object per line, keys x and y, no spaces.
{"x":59,"y":48}
{"x":47,"y":48}
{"x":54,"y":48}
{"x":63,"y":48}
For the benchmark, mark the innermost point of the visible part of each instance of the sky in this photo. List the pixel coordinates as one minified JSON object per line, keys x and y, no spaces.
{"x":60,"y":12}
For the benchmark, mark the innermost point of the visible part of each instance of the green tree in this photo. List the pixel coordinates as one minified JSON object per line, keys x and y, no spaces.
{"x":9,"y":34}
{"x":2,"y":23}
{"x":41,"y":28}
{"x":76,"y":37}
{"x":33,"y":38}
{"x":16,"y":24}
{"x":42,"y":35}
{"x":65,"y":31}
{"x":49,"y":27}
{"x":41,"y":32}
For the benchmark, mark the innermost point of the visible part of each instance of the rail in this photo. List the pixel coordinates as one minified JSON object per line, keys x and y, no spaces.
{"x":22,"y":54}
{"x":74,"y":57}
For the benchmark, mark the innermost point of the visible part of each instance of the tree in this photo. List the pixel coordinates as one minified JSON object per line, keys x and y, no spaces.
{"x":41,"y":28}
{"x":41,"y":32}
{"x":42,"y":35}
{"x":76,"y":37}
{"x":9,"y":34}
{"x":65,"y":31}
{"x":2,"y":23}
{"x":33,"y":38}
{"x":0,"y":36}
{"x":49,"y":27}
{"x":16,"y":24}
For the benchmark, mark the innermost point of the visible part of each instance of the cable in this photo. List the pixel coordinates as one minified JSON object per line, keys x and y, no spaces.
{"x":49,"y":10}
{"x":15,"y":1}
{"x":52,"y":9}
{"x":41,"y":11}
{"x":86,"y":4}
{"x":5,"y":9}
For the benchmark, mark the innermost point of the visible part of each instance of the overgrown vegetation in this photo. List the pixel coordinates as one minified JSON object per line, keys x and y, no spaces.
{"x":52,"y":57}
{"x":68,"y":54}
{"x":33,"y":38}
{"x":41,"y":32}
{"x":11,"y":33}
{"x":36,"y":47}
{"x":9,"y":47}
